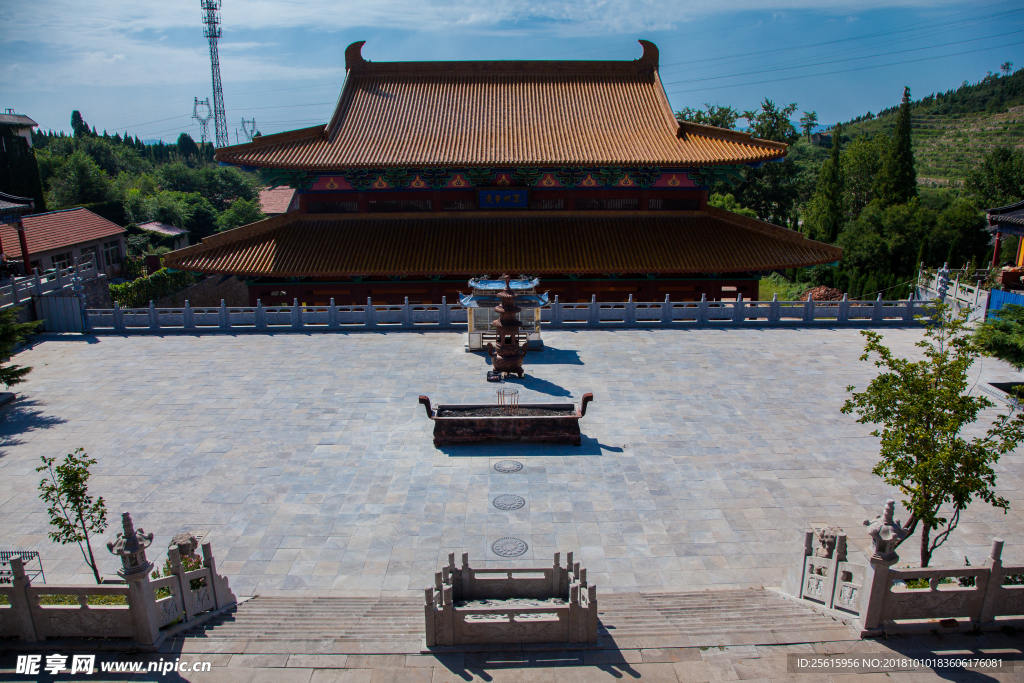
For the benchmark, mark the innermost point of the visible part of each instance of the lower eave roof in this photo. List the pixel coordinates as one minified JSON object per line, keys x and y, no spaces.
{"x":309,"y":245}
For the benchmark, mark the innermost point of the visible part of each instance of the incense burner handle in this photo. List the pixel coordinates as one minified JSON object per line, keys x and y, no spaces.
{"x":426,"y":404}
{"x":587,"y":398}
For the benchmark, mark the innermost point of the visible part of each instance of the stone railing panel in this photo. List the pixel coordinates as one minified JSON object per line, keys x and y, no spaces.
{"x":849,"y":583}
{"x":595,"y":315}
{"x":94,"y":621}
{"x":171,"y":607}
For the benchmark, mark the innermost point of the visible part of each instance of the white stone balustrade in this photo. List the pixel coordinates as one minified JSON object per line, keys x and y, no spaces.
{"x":557,"y":315}
{"x":141,"y":620}
{"x":469,"y":606}
{"x":18,"y":290}
{"x":875,"y":596}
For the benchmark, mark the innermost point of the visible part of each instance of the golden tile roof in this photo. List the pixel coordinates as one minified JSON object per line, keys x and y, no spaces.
{"x":393,"y":114}
{"x":542,"y":242}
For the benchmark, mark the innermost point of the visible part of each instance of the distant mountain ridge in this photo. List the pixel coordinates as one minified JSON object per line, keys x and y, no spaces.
{"x":953,"y":130}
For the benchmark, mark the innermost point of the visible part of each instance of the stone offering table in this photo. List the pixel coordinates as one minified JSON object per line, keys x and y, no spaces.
{"x":508,"y":606}
{"x":549,"y":422}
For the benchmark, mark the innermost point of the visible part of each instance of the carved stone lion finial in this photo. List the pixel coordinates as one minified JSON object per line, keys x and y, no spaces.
{"x":885,"y":534}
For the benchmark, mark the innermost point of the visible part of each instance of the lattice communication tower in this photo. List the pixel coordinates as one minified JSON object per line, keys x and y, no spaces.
{"x":211,"y":20}
{"x":203,"y":119}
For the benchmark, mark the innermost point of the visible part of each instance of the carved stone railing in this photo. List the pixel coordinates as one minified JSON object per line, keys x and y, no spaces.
{"x":20,"y":289}
{"x":470,"y":606}
{"x":141,"y":620}
{"x":876,"y":597}
{"x":445,"y":316}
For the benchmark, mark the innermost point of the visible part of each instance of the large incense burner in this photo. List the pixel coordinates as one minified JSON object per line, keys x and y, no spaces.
{"x":550,"y":422}
{"x":507,"y":355}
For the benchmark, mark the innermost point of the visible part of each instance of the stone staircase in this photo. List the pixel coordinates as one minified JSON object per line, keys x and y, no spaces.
{"x":321,"y":625}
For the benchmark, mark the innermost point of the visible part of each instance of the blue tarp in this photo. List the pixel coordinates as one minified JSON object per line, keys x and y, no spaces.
{"x":997,"y":297}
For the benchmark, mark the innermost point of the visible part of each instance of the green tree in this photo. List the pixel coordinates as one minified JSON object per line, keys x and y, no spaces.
{"x":78,"y":125}
{"x":241,"y":212}
{"x":772,"y":190}
{"x":202,"y":217}
{"x":78,"y":181}
{"x":897,"y":181}
{"x":11,"y":333}
{"x":861,"y":164}
{"x":826,"y":211}
{"x":1002,"y":335}
{"x":729,"y":203}
{"x":922,"y":407}
{"x":886,"y":239}
{"x":712,"y":115}
{"x":999,"y":180}
{"x":187,"y":147}
{"x":807,"y":123}
{"x":75,"y":516}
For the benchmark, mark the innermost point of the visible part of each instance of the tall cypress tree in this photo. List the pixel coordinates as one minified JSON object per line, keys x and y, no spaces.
{"x":897,"y":181}
{"x":827,"y":210}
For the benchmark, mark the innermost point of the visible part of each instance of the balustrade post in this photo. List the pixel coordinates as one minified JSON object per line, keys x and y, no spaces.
{"x":406,"y":314}
{"x":60,"y":280}
{"x":218,"y":585}
{"x":184,"y":585}
{"x":702,"y":309}
{"x":443,"y":314}
{"x":428,"y":615}
{"x":118,"y":317}
{"x":908,"y":314}
{"x":666,"y":311}
{"x":844,"y":308}
{"x":630,"y":311}
{"x":593,"y":315}
{"x":876,"y":311}
{"x":556,"y":312}
{"x":737,"y":308}
{"x":994,"y":585}
{"x":187,"y":318}
{"x":20,"y":608}
{"x":225,"y":324}
{"x":332,"y":315}
{"x":39,"y":282}
{"x":154,"y":324}
{"x":370,"y":313}
{"x":775,"y":310}
{"x":260,"y":315}
{"x":14,"y":291}
{"x":296,"y":315}
{"x":809,"y":310}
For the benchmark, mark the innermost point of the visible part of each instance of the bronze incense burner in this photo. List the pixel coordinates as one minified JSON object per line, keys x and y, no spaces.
{"x":507,"y":355}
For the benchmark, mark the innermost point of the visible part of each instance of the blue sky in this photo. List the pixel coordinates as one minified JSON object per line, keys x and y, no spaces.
{"x":137,"y":66}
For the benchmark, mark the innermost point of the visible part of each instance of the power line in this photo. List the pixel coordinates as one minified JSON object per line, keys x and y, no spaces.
{"x":843,"y":71}
{"x":848,"y":59}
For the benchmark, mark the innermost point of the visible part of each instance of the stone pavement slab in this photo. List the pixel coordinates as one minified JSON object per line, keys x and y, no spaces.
{"x":308,"y":459}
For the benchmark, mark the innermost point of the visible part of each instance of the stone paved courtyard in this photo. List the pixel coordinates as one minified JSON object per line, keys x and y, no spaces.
{"x":308,"y":459}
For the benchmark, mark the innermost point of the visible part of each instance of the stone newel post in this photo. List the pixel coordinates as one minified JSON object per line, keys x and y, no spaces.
{"x":131,"y":546}
{"x":885,"y":534}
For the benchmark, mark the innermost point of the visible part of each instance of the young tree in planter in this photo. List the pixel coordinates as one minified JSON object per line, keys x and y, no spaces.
{"x":73,"y":512}
{"x":922,"y":407}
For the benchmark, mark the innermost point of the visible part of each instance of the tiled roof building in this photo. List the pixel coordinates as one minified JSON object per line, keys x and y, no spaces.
{"x":432,"y":172}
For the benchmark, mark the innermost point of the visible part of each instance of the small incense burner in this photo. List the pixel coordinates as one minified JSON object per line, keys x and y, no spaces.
{"x":507,"y":355}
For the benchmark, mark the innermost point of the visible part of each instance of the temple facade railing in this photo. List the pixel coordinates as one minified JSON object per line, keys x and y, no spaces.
{"x":558,"y":315}
{"x":957,"y":288}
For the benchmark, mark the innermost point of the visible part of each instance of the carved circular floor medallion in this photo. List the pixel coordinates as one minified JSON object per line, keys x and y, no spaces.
{"x":509,"y":546}
{"x":507,"y":501}
{"x":508,"y":466}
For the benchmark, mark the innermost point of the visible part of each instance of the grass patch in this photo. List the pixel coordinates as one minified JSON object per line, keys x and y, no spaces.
{"x":776,"y":284}
{"x":72,"y":600}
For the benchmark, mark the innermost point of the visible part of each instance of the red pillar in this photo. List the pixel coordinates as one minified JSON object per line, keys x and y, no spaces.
{"x":995,"y":252}
{"x":24,"y":245}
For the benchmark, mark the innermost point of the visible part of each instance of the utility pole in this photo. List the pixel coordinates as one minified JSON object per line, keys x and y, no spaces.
{"x":211,"y":20}
{"x":248,"y":130}
{"x":203,"y":119}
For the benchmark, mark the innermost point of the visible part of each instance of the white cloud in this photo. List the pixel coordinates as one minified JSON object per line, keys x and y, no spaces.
{"x":114,"y":43}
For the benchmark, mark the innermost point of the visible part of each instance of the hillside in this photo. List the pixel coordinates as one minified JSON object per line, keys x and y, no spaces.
{"x":952,"y":131}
